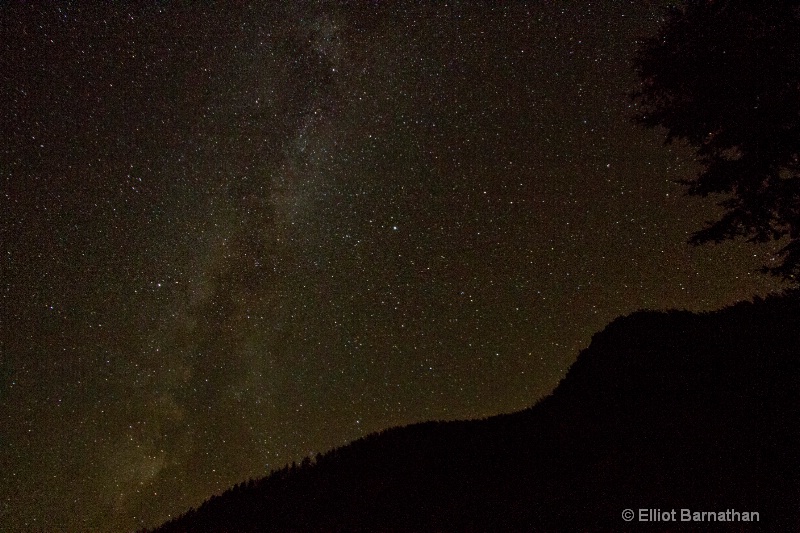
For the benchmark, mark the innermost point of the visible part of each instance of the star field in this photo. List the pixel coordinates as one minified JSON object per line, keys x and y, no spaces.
{"x":234,"y":238}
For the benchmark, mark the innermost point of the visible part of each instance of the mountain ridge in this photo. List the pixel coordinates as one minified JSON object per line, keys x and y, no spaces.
{"x":664,"y":410}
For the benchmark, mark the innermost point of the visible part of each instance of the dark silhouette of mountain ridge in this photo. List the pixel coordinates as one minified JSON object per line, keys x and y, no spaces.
{"x":664,"y":410}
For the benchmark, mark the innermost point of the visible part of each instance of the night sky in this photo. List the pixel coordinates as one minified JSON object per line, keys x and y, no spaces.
{"x":234,"y":238}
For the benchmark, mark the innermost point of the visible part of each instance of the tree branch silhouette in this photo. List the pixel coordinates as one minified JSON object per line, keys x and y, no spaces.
{"x":724,"y":76}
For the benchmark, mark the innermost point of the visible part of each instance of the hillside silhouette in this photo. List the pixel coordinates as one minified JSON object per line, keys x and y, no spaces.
{"x":664,"y":410}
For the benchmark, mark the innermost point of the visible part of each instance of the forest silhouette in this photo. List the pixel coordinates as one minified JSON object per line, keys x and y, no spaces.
{"x":666,"y":410}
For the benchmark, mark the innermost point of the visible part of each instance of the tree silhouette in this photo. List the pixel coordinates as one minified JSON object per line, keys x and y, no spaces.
{"x":724,"y":76}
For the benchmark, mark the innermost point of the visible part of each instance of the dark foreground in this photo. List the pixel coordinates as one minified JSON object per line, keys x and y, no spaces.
{"x":663,"y":411}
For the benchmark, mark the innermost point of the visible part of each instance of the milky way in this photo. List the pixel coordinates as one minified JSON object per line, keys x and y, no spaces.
{"x":234,"y":238}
